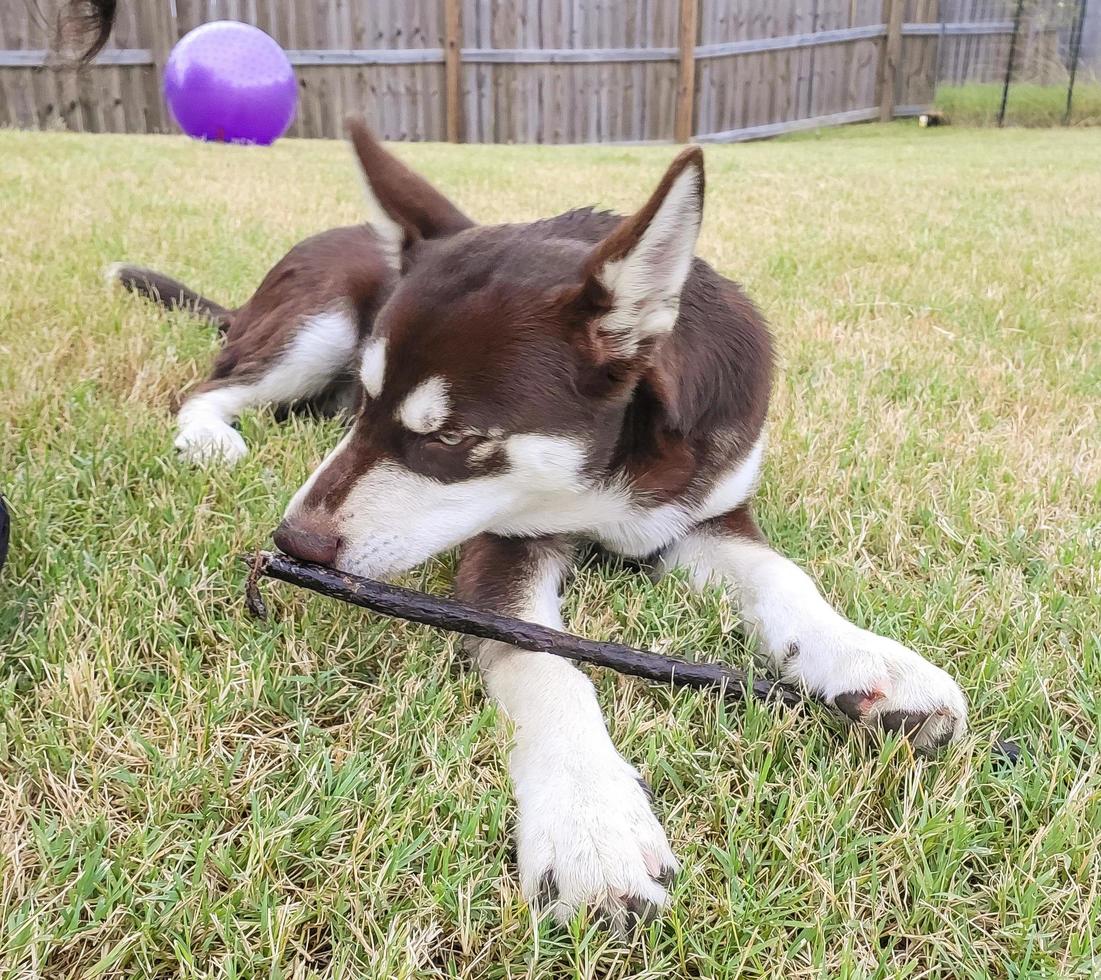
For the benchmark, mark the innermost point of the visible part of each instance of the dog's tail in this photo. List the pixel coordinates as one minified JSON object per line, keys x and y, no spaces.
{"x":168,"y":292}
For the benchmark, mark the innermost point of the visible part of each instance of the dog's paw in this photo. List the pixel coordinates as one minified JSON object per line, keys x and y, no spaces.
{"x":881,"y":684}
{"x":208,"y":441}
{"x":589,"y":839}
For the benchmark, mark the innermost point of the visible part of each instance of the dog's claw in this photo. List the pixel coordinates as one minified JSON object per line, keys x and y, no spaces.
{"x":633,"y":911}
{"x":665,"y":877}
{"x":927,"y":730}
{"x":902,"y":722}
{"x":547,"y":893}
{"x":618,"y":913}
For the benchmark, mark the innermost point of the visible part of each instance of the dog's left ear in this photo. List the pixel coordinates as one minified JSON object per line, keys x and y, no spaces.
{"x":634,"y":278}
{"x":405,"y":208}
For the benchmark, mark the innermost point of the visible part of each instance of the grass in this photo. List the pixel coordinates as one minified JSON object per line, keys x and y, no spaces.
{"x":186,"y":793}
{"x":1029,"y":104}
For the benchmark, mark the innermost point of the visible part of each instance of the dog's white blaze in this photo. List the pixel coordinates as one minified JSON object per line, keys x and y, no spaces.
{"x":322,"y":346}
{"x":807,"y":642}
{"x":426,"y":407}
{"x":372,"y":366}
{"x":646,"y":284}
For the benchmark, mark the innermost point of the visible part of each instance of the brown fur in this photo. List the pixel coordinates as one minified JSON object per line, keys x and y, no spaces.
{"x":496,"y":572}
{"x":343,"y":265}
{"x":340,"y":267}
{"x":168,"y":292}
{"x":738,"y":523}
{"x":416,"y":206}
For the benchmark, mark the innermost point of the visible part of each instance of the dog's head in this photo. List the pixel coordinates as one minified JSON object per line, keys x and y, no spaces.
{"x":498,"y":373}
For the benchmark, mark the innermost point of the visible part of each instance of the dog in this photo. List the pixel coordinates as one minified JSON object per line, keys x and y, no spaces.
{"x":527,"y":388}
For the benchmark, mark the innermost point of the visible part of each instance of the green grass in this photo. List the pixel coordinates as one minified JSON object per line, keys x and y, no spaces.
{"x":187,"y":793}
{"x":1028,"y":104}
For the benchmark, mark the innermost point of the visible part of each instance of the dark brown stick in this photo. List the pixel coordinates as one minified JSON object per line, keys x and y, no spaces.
{"x":458,"y":617}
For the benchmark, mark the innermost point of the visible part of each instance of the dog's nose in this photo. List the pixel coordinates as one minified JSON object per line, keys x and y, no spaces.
{"x":306,"y":545}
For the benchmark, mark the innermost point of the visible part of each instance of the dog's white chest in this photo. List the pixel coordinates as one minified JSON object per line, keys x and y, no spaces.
{"x":640,"y":531}
{"x":625,"y":526}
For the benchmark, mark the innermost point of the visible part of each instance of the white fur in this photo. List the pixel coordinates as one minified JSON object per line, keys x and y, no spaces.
{"x":426,"y":407}
{"x":556,"y":458}
{"x":323,"y":346}
{"x":391,"y":236}
{"x":736,"y":485}
{"x":611,"y":514}
{"x":205,"y":432}
{"x":584,"y":817}
{"x":394,"y":518}
{"x":372,"y":366}
{"x":808,"y":643}
{"x":646,"y":283}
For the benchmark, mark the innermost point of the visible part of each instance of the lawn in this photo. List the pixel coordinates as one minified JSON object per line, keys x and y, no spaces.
{"x":187,"y":793}
{"x":1027,"y":105}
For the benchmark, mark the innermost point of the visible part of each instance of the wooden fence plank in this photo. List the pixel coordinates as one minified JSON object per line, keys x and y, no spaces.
{"x":686,"y":71}
{"x":453,"y":69}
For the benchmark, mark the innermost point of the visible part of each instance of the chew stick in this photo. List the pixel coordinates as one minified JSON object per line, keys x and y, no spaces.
{"x":458,"y":617}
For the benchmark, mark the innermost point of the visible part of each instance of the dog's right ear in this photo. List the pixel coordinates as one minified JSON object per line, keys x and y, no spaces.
{"x":634,"y":277}
{"x":406,"y":208}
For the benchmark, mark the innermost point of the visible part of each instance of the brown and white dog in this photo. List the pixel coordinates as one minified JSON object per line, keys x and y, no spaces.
{"x":584,"y":378}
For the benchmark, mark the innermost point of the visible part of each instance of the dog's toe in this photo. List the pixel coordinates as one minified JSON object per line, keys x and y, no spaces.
{"x":591,"y":842}
{"x":203,"y":444}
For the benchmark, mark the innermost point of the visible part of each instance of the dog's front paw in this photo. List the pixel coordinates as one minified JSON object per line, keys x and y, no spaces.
{"x":204,"y":442}
{"x":588,"y":838}
{"x":882,"y":684}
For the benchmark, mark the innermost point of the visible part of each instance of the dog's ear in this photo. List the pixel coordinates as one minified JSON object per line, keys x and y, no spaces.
{"x":633,"y":279}
{"x":406,"y":209}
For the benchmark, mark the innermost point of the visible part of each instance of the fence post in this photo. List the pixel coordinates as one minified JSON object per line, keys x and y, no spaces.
{"x":890,"y":56}
{"x":165,"y":35}
{"x":686,"y":72}
{"x":453,"y":69}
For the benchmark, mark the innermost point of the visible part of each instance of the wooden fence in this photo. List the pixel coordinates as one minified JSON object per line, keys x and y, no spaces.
{"x":555,"y":71}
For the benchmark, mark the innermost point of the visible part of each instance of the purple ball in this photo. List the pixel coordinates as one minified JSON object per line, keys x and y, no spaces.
{"x":230,"y":81}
